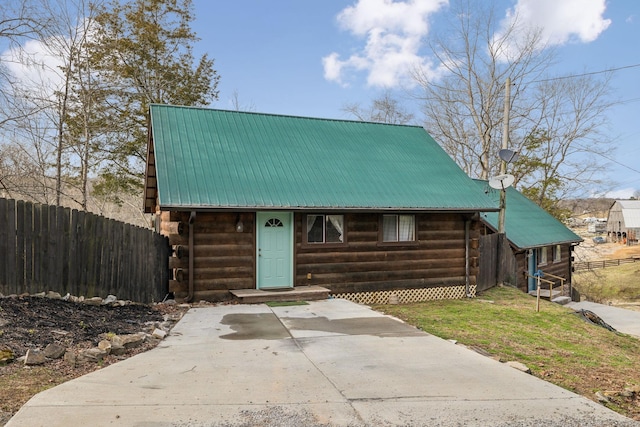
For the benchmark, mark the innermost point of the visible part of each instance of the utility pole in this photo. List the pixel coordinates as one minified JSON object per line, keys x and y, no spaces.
{"x":505,"y":144}
{"x":502,"y":238}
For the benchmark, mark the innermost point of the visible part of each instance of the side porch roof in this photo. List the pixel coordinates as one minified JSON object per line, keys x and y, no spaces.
{"x":526,"y":224}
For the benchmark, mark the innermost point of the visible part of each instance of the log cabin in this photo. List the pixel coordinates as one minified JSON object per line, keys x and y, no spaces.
{"x":540,"y":245}
{"x":273,"y":203}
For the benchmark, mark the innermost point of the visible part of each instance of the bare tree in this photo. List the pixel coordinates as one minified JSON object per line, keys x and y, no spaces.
{"x":52,"y":95}
{"x":555,"y":123}
{"x":20,"y":20}
{"x":236,"y":105}
{"x":384,"y":109}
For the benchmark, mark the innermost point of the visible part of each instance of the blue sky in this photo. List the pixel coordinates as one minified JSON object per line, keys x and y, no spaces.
{"x":310,"y":58}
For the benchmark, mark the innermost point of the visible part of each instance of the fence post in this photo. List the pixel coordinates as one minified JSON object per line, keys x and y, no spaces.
{"x":538,"y":295}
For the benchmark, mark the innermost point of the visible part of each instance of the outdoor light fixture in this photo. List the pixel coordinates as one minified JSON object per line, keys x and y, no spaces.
{"x":239,"y":224}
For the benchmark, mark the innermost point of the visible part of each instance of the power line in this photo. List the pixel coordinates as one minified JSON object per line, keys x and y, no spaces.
{"x":617,"y":162}
{"x":609,"y":70}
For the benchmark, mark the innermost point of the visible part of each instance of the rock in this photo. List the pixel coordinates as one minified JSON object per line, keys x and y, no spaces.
{"x":91,"y":355}
{"x":634,"y":388}
{"x":53,"y":295}
{"x":117,"y":349}
{"x":105,"y":345}
{"x":393,"y":299}
{"x":110,"y":299}
{"x":34,"y":357}
{"x":519,"y":366}
{"x":602,"y":398}
{"x":128,"y":341}
{"x":159,"y":334}
{"x":39,"y":295}
{"x":93,"y":301}
{"x":71,"y":358}
{"x":6,"y":356}
{"x":627,"y":392}
{"x":54,"y":351}
{"x":66,"y":297}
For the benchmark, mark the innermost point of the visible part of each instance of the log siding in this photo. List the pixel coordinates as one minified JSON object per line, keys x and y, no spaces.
{"x":365,"y":263}
{"x":561,"y":268}
{"x":225,"y":259}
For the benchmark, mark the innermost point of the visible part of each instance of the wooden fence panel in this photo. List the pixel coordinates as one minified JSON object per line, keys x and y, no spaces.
{"x":497,"y":262}
{"x":73,"y":278}
{"x":487,"y":271}
{"x":19,"y":265}
{"x":3,"y":242}
{"x":37,"y":253}
{"x":28,"y":248}
{"x":53,"y":248}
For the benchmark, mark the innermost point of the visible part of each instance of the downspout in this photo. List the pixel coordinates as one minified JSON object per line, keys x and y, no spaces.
{"x":467,"y":279}
{"x":192,"y":218}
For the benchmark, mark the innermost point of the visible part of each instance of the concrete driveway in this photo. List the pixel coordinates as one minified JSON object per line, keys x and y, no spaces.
{"x":622,"y":320}
{"x":329,"y":363}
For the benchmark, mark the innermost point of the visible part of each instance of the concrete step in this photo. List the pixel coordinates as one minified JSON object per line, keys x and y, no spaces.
{"x":297,"y":293}
{"x":544,"y":293}
{"x":561,"y":300}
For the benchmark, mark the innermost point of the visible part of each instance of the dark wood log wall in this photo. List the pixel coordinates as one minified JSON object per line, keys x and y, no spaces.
{"x":561,"y":268}
{"x":363,"y":264}
{"x":224,"y":259}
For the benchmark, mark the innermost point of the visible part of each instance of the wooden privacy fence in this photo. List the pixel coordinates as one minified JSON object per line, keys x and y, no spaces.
{"x":53,"y":248}
{"x":497,"y":263}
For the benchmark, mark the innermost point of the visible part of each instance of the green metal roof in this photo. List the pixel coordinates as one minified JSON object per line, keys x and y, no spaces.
{"x":212,"y":159}
{"x":526,"y":224}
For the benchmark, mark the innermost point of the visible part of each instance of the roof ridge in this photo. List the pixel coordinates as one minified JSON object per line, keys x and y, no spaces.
{"x":194,"y":107}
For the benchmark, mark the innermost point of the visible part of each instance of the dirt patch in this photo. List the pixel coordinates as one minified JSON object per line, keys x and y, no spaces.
{"x":625,"y":251}
{"x":34,"y":322}
{"x":588,"y":250}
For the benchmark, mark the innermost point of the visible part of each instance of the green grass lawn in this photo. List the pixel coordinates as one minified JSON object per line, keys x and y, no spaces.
{"x":620,"y":283}
{"x":555,"y":343}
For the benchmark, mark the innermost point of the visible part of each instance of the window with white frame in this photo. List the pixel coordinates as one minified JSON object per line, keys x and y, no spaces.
{"x":542,"y":256}
{"x":325,"y":229}
{"x":398,"y":228}
{"x":557,"y":253}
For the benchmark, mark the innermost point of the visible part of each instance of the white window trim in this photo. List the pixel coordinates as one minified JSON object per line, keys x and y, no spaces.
{"x":325,"y":218}
{"x":543,"y":257}
{"x":409,"y":228}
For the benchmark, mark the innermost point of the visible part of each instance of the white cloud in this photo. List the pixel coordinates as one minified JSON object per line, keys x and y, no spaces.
{"x":35,"y":66}
{"x":393,"y":31}
{"x":622,"y":193}
{"x":560,"y":21}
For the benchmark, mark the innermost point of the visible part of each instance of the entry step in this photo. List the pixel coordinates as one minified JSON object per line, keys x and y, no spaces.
{"x":544,"y":293}
{"x":297,"y":293}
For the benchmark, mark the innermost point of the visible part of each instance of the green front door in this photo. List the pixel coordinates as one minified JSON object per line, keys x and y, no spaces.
{"x":275,"y":250}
